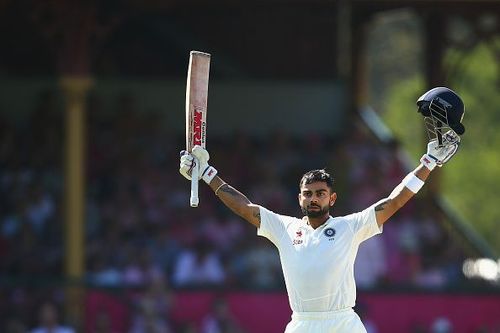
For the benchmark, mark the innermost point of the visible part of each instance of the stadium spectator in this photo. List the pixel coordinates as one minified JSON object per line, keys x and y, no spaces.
{"x":49,"y":320}
{"x":152,"y":309}
{"x":219,"y":319}
{"x":441,"y":325}
{"x":141,"y":270}
{"x":198,"y":267}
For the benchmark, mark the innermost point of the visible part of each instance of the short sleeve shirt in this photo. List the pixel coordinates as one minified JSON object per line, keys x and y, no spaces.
{"x":318,"y":264}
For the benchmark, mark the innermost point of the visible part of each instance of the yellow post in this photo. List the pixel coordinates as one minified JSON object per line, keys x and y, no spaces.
{"x":75,"y":91}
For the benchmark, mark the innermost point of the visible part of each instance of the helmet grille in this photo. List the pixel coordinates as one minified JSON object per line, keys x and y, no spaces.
{"x":437,"y":123}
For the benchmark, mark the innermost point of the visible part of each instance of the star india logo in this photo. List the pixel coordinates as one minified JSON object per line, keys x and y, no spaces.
{"x":297,"y":240}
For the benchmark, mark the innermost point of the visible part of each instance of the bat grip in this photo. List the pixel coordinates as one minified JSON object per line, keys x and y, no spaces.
{"x":194,"y":200}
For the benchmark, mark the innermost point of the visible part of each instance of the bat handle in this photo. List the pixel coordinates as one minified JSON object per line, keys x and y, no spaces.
{"x":194,"y":200}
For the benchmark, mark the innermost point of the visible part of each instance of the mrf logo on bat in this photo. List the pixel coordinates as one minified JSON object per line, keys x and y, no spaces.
{"x":199,"y":126}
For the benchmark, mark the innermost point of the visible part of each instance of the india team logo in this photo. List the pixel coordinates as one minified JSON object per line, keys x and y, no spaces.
{"x":329,"y":232}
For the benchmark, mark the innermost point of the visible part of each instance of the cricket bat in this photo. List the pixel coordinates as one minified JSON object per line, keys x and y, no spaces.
{"x":196,"y":111}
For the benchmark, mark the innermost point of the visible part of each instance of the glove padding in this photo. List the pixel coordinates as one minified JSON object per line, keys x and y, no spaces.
{"x":438,"y":155}
{"x":188,"y":162}
{"x":197,"y":158}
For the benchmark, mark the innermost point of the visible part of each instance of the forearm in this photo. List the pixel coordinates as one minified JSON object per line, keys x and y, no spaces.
{"x":437,"y":155}
{"x":421,"y":172}
{"x":385,"y":208}
{"x":236,"y":201}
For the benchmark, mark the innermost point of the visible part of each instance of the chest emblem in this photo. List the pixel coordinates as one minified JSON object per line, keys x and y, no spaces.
{"x":298,"y":238}
{"x":329,"y":233}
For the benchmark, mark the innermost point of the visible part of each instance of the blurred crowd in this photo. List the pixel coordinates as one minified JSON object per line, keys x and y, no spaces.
{"x":140,"y":230}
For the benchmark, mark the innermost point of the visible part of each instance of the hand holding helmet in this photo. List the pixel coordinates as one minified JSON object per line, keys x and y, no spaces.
{"x":443,"y":112}
{"x":438,"y":154}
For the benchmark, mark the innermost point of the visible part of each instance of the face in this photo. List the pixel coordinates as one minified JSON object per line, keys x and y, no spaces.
{"x":315,"y":199}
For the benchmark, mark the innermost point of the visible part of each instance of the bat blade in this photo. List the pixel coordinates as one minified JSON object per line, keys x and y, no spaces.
{"x":196,"y":110}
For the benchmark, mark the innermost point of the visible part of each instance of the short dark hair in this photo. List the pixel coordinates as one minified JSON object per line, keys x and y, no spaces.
{"x":319,"y":175}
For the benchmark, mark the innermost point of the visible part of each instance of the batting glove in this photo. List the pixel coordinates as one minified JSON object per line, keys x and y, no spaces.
{"x":188,"y":162}
{"x":437,"y":155}
{"x":207,"y":172}
{"x":198,"y":158}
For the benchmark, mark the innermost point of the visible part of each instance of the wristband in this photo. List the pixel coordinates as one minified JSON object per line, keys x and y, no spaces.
{"x":412,"y":182}
{"x":209,"y":174}
{"x":428,"y":161}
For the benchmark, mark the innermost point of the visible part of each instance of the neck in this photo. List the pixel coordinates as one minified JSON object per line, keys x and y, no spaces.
{"x":316,"y":222}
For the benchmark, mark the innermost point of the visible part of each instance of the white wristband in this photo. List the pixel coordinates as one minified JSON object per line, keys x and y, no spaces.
{"x":428,"y":161}
{"x":412,"y":182}
{"x":209,"y":174}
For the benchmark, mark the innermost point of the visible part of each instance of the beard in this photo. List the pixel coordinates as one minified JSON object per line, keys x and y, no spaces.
{"x":315,"y":213}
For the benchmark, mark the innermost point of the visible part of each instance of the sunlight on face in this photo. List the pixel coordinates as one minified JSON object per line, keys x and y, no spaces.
{"x":315,"y":199}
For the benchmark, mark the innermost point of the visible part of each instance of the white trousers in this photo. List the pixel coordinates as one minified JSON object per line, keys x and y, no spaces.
{"x":341,"y":321}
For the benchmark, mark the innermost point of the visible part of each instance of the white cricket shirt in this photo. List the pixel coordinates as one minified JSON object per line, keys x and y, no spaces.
{"x":318,"y":264}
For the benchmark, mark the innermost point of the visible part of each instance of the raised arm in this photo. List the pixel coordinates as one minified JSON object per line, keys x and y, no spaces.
{"x":436,"y":156}
{"x":385,"y":208}
{"x":232,"y":198}
{"x":236,"y":201}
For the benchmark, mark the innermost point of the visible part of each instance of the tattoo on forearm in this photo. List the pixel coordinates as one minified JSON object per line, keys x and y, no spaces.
{"x":381,"y":206}
{"x":257,"y":215}
{"x":229,"y":190}
{"x":234,"y":199}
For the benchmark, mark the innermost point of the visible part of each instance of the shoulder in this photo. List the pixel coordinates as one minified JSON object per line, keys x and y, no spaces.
{"x":361,"y":215}
{"x":284,"y":222}
{"x":346,"y":218}
{"x":355,"y":220}
{"x":270,"y":214}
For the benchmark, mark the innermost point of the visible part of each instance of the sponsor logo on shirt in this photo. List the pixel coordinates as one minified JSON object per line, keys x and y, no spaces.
{"x":298,"y":236}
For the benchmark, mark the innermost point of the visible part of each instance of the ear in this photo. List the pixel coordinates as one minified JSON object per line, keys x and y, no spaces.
{"x":333,"y":197}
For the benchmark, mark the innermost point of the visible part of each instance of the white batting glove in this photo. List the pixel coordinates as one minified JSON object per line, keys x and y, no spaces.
{"x":187,"y":163}
{"x":207,"y":172}
{"x":197,"y":159}
{"x":438,"y":155}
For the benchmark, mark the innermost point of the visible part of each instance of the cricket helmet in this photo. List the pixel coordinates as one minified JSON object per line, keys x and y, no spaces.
{"x":442,"y":108}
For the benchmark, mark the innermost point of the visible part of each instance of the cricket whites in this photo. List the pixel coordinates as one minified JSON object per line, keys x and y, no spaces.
{"x":196,"y":111}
